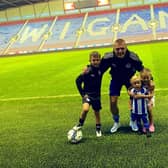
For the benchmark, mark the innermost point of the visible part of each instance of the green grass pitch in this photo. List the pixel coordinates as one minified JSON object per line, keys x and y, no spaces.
{"x":39,"y":103}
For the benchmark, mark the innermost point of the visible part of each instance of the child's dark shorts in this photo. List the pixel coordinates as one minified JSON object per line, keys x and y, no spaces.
{"x":93,"y":101}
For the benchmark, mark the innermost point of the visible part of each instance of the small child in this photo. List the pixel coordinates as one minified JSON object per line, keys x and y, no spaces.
{"x":147,"y":82}
{"x":89,"y":86}
{"x":139,"y":103}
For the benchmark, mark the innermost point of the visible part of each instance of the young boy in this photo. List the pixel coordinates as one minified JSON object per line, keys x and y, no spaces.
{"x":139,"y":103}
{"x":148,"y":83}
{"x":89,"y":86}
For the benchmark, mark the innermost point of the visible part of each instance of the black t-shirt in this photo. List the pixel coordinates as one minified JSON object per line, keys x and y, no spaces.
{"x":90,"y":82}
{"x":121,"y":69}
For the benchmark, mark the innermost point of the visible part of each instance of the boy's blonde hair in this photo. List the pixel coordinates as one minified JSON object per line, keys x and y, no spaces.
{"x":135,"y":78}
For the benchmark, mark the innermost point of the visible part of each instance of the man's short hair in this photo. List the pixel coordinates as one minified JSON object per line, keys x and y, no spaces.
{"x":120,"y":41}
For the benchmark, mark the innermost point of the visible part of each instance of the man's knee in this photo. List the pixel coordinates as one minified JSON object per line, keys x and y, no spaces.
{"x":113,"y":104}
{"x":113,"y":100}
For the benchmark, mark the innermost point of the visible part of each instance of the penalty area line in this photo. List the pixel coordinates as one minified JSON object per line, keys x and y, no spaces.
{"x":60,"y":96}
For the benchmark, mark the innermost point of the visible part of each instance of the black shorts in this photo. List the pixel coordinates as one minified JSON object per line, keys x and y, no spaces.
{"x":93,"y":101}
{"x":115,"y":87}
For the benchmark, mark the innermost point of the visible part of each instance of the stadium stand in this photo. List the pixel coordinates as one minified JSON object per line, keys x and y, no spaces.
{"x":90,"y":29}
{"x":7,"y":32}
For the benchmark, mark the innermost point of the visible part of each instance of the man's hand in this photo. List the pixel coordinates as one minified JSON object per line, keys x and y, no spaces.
{"x":85,"y":70}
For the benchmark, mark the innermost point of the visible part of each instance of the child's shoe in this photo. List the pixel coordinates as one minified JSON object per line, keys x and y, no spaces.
{"x":98,"y":133}
{"x":77,"y":127}
{"x":134,"y":126}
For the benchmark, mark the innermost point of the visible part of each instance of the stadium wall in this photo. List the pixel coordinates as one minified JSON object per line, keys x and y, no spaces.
{"x":93,"y":29}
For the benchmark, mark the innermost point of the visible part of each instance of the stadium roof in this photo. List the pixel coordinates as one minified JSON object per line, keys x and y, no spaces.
{"x":5,"y":4}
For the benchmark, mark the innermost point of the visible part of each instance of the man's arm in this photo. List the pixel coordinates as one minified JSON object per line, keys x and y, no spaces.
{"x":106,"y":61}
{"x":138,"y":63}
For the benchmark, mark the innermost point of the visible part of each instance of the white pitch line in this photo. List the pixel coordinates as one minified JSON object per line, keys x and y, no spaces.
{"x":37,"y":97}
{"x":59,"y":96}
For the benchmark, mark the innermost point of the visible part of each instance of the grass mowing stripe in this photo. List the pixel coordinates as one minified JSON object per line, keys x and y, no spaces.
{"x":61,"y":96}
{"x":34,"y":126}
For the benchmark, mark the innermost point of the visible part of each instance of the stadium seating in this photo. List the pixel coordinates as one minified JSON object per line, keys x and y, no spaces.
{"x":92,"y":29}
{"x":6,"y":34}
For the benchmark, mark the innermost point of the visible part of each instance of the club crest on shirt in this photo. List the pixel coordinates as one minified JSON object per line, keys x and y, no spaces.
{"x":114,"y":65}
{"x":128,"y":65}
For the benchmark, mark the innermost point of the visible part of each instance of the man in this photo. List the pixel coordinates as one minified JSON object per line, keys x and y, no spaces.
{"x":123,"y":65}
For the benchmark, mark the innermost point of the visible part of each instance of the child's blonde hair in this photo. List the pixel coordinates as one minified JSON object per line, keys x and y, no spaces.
{"x":146,"y":72}
{"x":134,"y":78}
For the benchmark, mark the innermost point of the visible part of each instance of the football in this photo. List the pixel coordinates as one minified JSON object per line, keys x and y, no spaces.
{"x":74,"y":136}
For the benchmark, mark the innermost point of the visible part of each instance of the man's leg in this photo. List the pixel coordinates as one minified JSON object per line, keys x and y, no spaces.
{"x":115,"y":88}
{"x":115,"y":113}
{"x":114,"y":108}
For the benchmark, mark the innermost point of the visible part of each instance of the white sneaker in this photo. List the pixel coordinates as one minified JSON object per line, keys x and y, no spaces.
{"x":133,"y":125}
{"x":98,"y":133}
{"x":76,"y":128}
{"x":115,"y":127}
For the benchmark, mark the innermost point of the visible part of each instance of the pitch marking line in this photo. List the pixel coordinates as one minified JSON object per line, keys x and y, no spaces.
{"x":59,"y":96}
